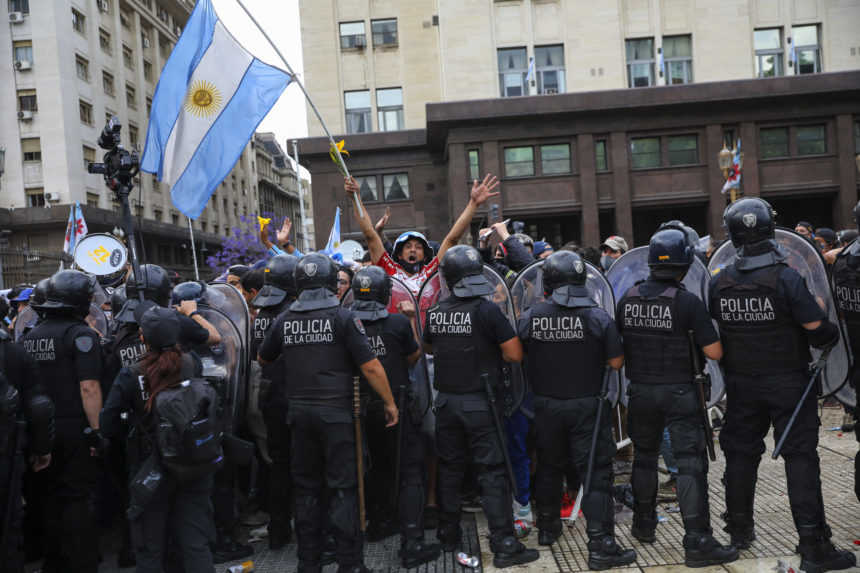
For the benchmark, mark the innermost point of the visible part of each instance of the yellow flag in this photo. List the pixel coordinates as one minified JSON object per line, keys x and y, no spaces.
{"x":333,"y":153}
{"x":263,"y":223}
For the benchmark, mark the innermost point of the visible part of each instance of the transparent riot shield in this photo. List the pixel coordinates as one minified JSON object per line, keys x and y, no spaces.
{"x":434,"y":290}
{"x":632,"y":267}
{"x":804,"y":257}
{"x":28,"y":318}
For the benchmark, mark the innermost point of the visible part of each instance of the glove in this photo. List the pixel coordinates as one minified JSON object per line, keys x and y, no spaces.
{"x":97,"y":443}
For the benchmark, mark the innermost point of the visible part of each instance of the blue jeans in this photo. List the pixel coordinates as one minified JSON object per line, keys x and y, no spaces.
{"x":516,"y":430}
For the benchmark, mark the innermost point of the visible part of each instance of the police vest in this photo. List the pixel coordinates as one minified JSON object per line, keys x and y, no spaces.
{"x":262,"y":322}
{"x":462,"y":351}
{"x":565,"y":351}
{"x":846,"y":290}
{"x":656,"y":348}
{"x":758,"y":333}
{"x":317,"y":365}
{"x":389,"y":350}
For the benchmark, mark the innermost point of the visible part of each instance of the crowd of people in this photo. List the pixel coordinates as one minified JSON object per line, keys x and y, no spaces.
{"x":122,"y":425}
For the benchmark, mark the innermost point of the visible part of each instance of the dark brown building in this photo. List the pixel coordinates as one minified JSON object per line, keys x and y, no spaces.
{"x":582,"y":166}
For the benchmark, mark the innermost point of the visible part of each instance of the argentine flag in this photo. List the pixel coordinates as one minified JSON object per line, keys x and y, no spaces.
{"x":334,"y":235}
{"x":210,"y":98}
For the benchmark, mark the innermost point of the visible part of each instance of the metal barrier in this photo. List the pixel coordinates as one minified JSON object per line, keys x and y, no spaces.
{"x":27,"y":266}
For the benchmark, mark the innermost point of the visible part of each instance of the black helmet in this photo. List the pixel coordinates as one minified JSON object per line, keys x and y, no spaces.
{"x":564,"y":275}
{"x":692,"y":235}
{"x":156,"y":285}
{"x":70,"y":290}
{"x":670,"y":251}
{"x":278,"y":281}
{"x":117,"y":300}
{"x":190,"y":290}
{"x":463,"y":270}
{"x":371,"y":288}
{"x":40,"y":294}
{"x":316,"y":282}
{"x":749,"y":220}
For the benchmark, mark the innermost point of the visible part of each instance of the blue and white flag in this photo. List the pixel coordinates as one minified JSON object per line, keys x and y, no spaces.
{"x":334,"y":235}
{"x":530,"y":74}
{"x":210,"y":98}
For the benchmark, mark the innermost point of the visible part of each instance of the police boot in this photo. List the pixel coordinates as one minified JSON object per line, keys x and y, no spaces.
{"x":547,"y":537}
{"x":741,"y":529}
{"x":417,"y":551}
{"x":644,"y":526}
{"x":701,"y":550}
{"x":605,"y":553}
{"x":227,"y":548}
{"x":509,"y":552}
{"x":449,"y":536}
{"x":329,"y":550}
{"x":549,"y":527}
{"x":818,"y":553}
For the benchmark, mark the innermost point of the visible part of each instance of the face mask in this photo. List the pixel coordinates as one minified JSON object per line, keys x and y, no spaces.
{"x":410,"y":268}
{"x":606,"y":262}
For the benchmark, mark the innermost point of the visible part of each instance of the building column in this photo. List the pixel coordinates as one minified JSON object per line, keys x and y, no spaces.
{"x":847,"y":197}
{"x":716,"y":199}
{"x":621,"y":186}
{"x":588,"y":189}
{"x":749,"y":171}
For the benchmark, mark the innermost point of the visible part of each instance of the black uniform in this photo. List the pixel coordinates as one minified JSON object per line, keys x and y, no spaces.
{"x":556,"y":337}
{"x":466,"y":334}
{"x":320,"y":350}
{"x":178,"y":511}
{"x":654,"y":317}
{"x":67,"y":352}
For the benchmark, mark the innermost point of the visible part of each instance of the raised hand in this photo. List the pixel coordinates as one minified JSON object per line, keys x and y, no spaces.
{"x":284,"y":233}
{"x":383,"y":221}
{"x":350,"y":185}
{"x":483,"y":190}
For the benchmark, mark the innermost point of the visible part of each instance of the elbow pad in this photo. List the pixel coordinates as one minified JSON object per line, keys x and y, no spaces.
{"x":41,"y":422}
{"x":824,"y":336}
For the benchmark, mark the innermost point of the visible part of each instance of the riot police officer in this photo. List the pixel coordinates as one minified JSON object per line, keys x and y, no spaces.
{"x":768,"y":319}
{"x":655,"y":317}
{"x":569,"y":328}
{"x":278,"y":292}
{"x":469,"y":338}
{"x":392,"y":338}
{"x":26,"y":434}
{"x":321,"y":345}
{"x":69,"y":357}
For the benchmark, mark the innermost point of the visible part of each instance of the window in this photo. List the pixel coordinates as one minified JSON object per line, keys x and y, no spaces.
{"x":23,"y":51}
{"x":27,"y":100}
{"x":107,"y":83}
{"x":92,"y":200}
{"x":645,"y":152}
{"x":513,"y":68}
{"x":474,"y":165}
{"x":86,"y":112}
{"x":104,"y":41}
{"x":82,"y":67}
{"x":89,"y":156}
{"x":519,"y":161}
{"x":32,"y":149}
{"x":555,"y":159}
{"x":549,"y":63}
{"x":148,"y":105}
{"x":773,"y":142}
{"x":384,"y":32}
{"x":36,"y":197}
{"x":128,"y":57}
{"x":811,"y":140}
{"x":683,"y":149}
{"x":130,"y":96}
{"x":125,"y":20}
{"x":79,"y":22}
{"x":352,"y":35}
{"x":163,"y":15}
{"x":104,"y":6}
{"x":357,"y":111}
{"x":395,"y":186}
{"x":678,"y":58}
{"x":174,"y":218}
{"x":768,"y":53}
{"x":389,"y":109}
{"x":147,"y":70}
{"x":807,"y":52}
{"x":601,"y":160}
{"x":133,"y":135}
{"x":367,"y":187}
{"x":19,"y":6}
{"x":640,"y":63}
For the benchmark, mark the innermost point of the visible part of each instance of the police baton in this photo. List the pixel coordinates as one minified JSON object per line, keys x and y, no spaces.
{"x":491,"y":397}
{"x":359,"y":452}
{"x":700,"y":379}
{"x":604,"y":388}
{"x":819,"y":366}
{"x":401,"y":403}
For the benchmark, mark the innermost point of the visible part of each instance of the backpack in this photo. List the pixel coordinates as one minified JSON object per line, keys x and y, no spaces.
{"x":187,"y":433}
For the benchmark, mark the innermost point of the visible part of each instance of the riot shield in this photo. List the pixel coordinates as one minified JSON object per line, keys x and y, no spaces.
{"x":434,"y":289}
{"x":420,"y":392}
{"x":28,"y":318}
{"x":632,"y":267}
{"x":805,"y":258}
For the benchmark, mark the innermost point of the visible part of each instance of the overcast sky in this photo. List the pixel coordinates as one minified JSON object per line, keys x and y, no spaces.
{"x":280,"y":19}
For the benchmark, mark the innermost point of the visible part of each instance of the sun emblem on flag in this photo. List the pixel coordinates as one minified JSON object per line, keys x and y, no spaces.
{"x":203,"y":99}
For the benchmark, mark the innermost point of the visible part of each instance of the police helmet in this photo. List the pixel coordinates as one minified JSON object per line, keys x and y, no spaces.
{"x":40,"y":293}
{"x":156,"y":285}
{"x":315,"y":271}
{"x":190,"y":290}
{"x":117,"y":300}
{"x":372,"y":283}
{"x":463,"y":270}
{"x":278,"y":281}
{"x":749,"y":220}
{"x":400,"y":242}
{"x":670,"y":248}
{"x":70,"y":290}
{"x":564,"y":276}
{"x":692,"y":235}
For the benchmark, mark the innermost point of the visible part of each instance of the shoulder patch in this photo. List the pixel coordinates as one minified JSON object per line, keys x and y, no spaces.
{"x":358,"y":325}
{"x":84,"y":343}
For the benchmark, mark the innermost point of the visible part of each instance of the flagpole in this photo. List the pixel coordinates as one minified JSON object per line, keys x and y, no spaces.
{"x":193,"y":249}
{"x":296,"y":79}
